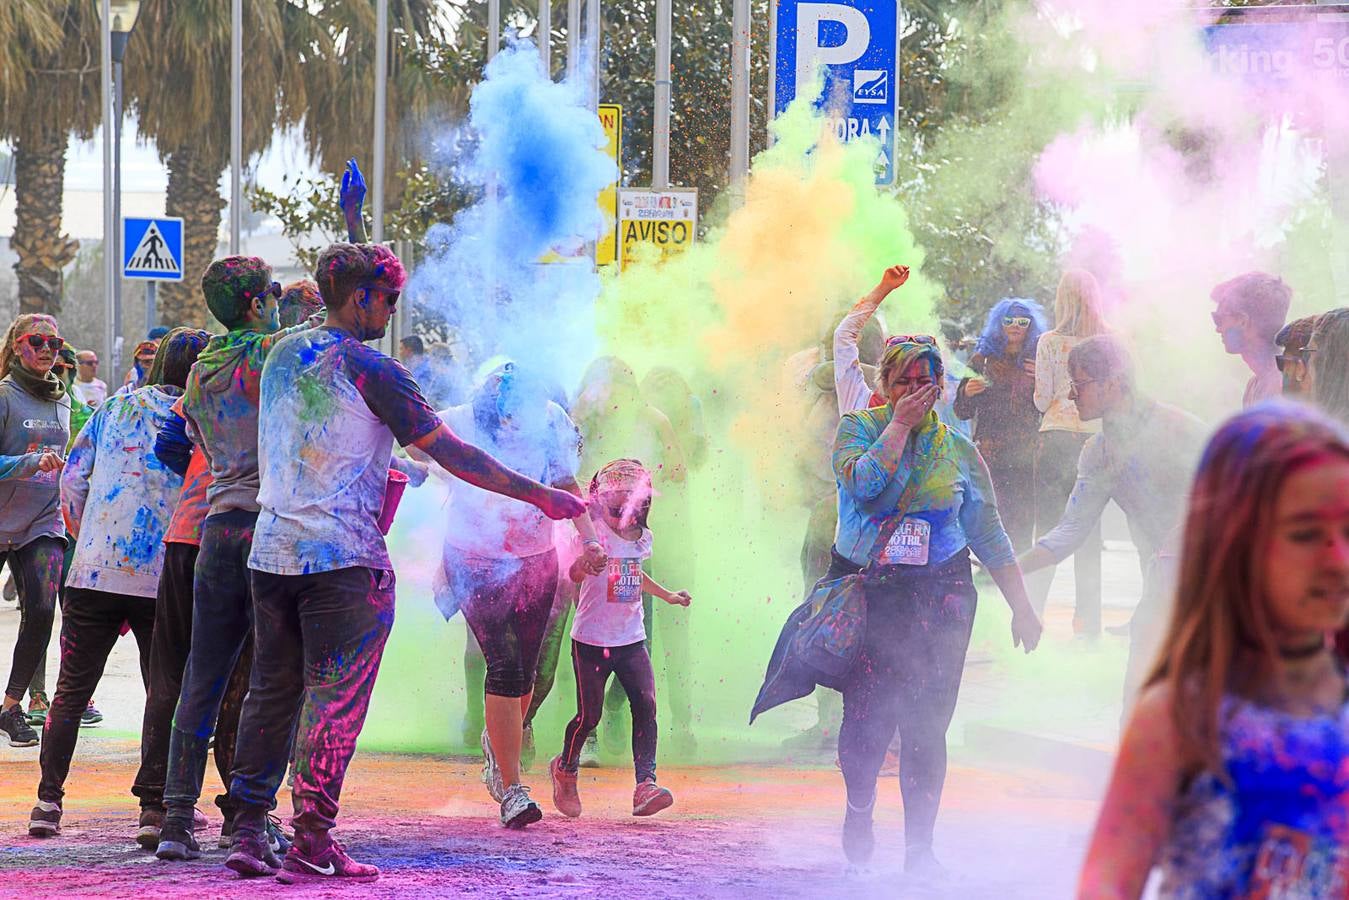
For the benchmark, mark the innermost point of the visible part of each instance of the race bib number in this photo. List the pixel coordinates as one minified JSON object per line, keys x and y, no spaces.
{"x":1292,"y":864}
{"x":625,"y":580}
{"x":908,"y":546}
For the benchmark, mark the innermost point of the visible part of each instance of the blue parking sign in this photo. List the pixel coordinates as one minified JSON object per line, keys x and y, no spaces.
{"x":856,"y":45}
{"x":152,"y":249}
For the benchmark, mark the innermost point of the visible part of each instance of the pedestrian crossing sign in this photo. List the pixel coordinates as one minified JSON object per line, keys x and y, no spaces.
{"x":152,"y":249}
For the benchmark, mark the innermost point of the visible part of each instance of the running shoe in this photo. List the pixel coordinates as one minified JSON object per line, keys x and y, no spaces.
{"x":329,"y":864}
{"x":566,"y":799}
{"x":226,"y":839}
{"x":199,"y":821}
{"x":590,"y":753}
{"x":177,"y":843}
{"x":517,"y":810}
{"x":38,"y":705}
{"x":858,"y":841}
{"x":44,"y":820}
{"x":14,"y":725}
{"x":276,"y":837}
{"x":252,"y":855}
{"x":650,"y":798}
{"x":527,"y":751}
{"x":147,"y":831}
{"x":919,"y":862}
{"x":91,"y":715}
{"x":491,"y":773}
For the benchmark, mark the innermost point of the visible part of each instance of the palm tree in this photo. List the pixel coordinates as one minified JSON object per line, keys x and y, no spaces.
{"x":49,"y":87}
{"x":178,"y":79}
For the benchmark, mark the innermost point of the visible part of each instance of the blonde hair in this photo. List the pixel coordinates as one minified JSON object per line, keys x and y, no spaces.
{"x":1078,"y":305}
{"x":1220,"y":608}
{"x":17,"y":328}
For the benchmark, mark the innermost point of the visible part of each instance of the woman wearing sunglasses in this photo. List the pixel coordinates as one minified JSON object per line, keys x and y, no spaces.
{"x":1000,"y":398}
{"x":914,"y":499}
{"x":34,"y":430}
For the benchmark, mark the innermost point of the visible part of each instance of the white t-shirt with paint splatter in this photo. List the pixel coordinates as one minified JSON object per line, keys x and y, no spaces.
{"x":609,"y":611}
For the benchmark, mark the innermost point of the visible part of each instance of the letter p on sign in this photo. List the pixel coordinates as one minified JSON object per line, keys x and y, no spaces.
{"x":810,"y":55}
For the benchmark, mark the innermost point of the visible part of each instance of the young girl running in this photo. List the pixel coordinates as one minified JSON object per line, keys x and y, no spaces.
{"x":1233,"y":774}
{"x":608,"y":635}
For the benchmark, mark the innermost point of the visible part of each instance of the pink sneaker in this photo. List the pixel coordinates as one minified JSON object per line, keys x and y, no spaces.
{"x":650,"y":798}
{"x":566,"y":798}
{"x":329,"y":864}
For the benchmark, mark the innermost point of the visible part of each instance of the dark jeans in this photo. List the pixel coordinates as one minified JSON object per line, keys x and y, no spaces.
{"x":222,"y":618}
{"x":593,"y":666}
{"x":36,"y":567}
{"x":1014,"y":489}
{"x":1055,"y":474}
{"x":506,"y":603}
{"x":91,"y":623}
{"x":318,"y":645}
{"x":168,"y":655}
{"x":907,"y":676}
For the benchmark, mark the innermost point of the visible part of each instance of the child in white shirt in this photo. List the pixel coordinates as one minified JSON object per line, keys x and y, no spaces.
{"x":609,"y":637}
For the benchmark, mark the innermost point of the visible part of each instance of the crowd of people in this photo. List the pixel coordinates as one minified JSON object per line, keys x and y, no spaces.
{"x":246,"y":554}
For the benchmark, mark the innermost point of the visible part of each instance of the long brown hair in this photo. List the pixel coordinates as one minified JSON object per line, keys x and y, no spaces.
{"x":1330,"y":363}
{"x":1220,"y":612}
{"x":18,"y":328}
{"x":1078,"y":306}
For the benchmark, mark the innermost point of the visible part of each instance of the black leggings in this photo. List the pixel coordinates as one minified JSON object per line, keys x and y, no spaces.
{"x":506,"y":603}
{"x":632,"y":665}
{"x":37,"y":577}
{"x":907,"y":676}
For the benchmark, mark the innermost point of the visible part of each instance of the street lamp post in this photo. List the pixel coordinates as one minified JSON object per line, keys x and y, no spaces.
{"x":122,"y":15}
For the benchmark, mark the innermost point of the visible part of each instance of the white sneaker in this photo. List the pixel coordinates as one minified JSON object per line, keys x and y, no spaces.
{"x":590,"y":753}
{"x":491,"y":773}
{"x":517,"y":810}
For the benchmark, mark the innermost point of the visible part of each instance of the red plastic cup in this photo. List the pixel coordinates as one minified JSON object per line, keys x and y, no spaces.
{"x":393,"y":493}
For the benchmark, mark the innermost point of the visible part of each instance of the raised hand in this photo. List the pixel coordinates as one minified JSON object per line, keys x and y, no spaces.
{"x":894,"y":277}
{"x":351,"y":198}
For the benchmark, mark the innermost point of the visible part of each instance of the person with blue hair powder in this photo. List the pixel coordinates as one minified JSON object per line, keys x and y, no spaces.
{"x":1000,"y":397}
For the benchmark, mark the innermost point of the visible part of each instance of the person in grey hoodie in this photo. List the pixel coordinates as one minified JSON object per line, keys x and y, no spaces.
{"x":34,"y":429}
{"x":220,"y":407}
{"x":117,"y":499}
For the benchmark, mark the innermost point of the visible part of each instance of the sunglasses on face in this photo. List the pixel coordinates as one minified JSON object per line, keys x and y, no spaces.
{"x":898,"y":339}
{"x":1283,"y":361}
{"x":36,"y":341}
{"x":1022,"y":321}
{"x":88,"y":362}
{"x":274,"y":289}
{"x":1078,"y":385}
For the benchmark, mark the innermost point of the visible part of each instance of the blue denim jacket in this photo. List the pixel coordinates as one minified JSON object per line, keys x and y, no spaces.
{"x":956,"y":497}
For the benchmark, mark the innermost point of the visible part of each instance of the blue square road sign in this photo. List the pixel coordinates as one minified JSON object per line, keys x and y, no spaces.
{"x":856,"y":45}
{"x":152,"y":249}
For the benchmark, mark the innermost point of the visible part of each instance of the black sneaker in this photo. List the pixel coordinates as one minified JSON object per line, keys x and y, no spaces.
{"x":177,"y":843}
{"x":226,"y":840}
{"x":151,"y":821}
{"x":276,"y":838}
{"x":252,"y":855}
{"x":44,"y":820}
{"x":14,"y":724}
{"x":858,"y":841}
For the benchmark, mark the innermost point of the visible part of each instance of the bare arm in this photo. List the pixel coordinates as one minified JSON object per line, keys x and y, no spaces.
{"x":652,"y":587}
{"x":1135,"y":817}
{"x":1046,"y":376}
{"x":481,"y":470}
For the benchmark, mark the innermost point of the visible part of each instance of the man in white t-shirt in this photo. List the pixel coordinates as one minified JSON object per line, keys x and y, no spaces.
{"x":323,"y":586}
{"x":91,"y":389}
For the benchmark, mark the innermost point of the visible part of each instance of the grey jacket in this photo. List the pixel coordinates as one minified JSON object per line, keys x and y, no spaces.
{"x":30,"y":505}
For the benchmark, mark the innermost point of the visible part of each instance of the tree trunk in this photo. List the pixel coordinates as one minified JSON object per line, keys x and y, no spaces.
{"x":43,"y":251}
{"x":193,"y":194}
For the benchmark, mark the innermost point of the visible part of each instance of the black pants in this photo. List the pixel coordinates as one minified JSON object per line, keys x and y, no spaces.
{"x":593,"y":666}
{"x":91,"y":623}
{"x":168,"y":655}
{"x":222,"y":620}
{"x":506,"y":603}
{"x":1055,"y":474}
{"x":550,"y":651}
{"x":907,"y":676}
{"x":36,"y":567}
{"x":317,"y":648}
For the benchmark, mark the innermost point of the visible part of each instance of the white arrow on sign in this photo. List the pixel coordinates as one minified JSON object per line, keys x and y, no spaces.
{"x":884,"y":128}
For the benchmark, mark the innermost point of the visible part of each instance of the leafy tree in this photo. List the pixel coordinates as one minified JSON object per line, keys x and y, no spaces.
{"x":49,"y":88}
